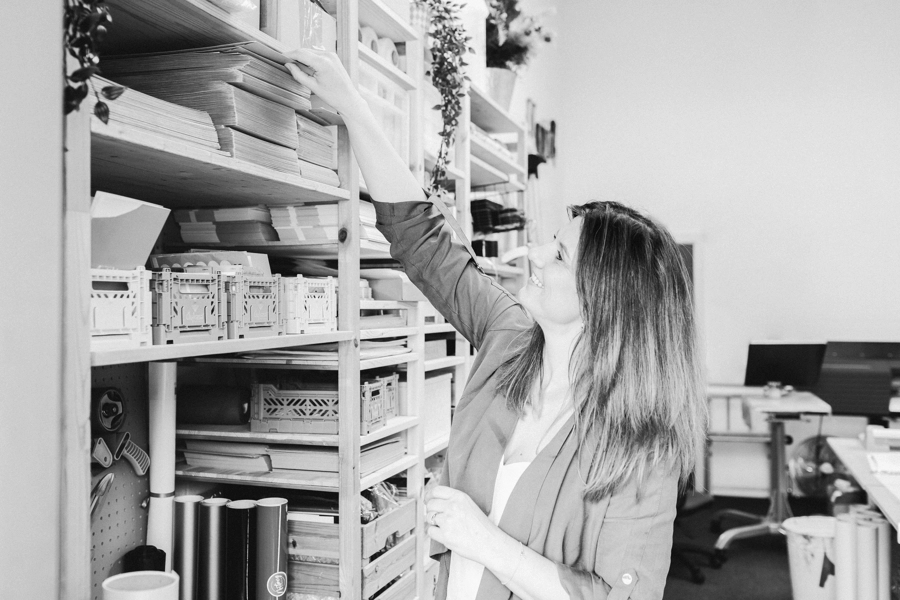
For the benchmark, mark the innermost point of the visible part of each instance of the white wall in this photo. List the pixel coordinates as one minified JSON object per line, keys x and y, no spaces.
{"x":768,"y":130}
{"x":30,"y":301}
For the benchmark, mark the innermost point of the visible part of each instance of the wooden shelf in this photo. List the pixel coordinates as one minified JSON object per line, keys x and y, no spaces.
{"x":453,"y":173}
{"x":382,"y":19}
{"x":288,"y":363}
{"x":444,"y":362}
{"x":389,"y":332}
{"x":487,"y":152}
{"x":439,"y":328}
{"x":383,"y":305}
{"x":301,"y":480}
{"x":388,"y":471}
{"x":385,"y":68}
{"x":242,"y":433}
{"x":488,"y":115}
{"x":134,"y":163}
{"x":325,"y":250}
{"x":435,"y":446}
{"x":121,"y":356}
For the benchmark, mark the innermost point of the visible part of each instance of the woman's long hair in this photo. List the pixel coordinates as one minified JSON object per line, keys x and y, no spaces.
{"x":635,"y":370}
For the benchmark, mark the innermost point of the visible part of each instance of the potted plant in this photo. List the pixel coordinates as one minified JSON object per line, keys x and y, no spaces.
{"x":513,"y":38}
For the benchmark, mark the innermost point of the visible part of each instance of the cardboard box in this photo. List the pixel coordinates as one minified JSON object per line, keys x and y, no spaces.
{"x":388,"y":284}
{"x":123,"y":231}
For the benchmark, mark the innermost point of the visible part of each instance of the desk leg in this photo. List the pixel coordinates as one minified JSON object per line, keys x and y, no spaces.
{"x":779,"y":509}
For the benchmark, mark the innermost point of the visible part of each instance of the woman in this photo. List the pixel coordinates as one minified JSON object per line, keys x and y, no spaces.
{"x":583,"y":408}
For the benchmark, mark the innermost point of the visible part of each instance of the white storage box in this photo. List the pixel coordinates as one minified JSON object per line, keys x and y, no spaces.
{"x":309,"y":304}
{"x":434,"y":411}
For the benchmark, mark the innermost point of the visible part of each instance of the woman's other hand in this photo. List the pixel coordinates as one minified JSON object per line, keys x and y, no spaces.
{"x":453,"y":519}
{"x":329,"y":79}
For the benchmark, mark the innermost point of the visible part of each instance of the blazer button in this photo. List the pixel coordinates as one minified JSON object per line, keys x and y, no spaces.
{"x":626,"y":578}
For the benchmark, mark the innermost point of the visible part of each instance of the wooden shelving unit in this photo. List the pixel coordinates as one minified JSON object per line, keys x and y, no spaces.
{"x":150,"y":167}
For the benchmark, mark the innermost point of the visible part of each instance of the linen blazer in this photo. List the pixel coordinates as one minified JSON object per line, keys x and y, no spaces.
{"x":615,"y":548}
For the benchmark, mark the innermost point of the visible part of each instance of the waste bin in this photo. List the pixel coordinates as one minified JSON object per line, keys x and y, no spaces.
{"x":810,"y":542}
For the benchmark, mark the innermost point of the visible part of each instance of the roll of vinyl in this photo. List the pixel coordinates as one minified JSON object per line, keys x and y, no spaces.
{"x":211,"y":563}
{"x":845,"y":557}
{"x":388,"y":51}
{"x":240,"y":550}
{"x":271,"y":548}
{"x":187,"y":535}
{"x":866,"y":560}
{"x":213,"y":405}
{"x":369,"y":38}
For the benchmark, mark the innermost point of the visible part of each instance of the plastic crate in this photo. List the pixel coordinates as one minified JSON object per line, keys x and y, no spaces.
{"x":254,"y":305}
{"x":274,"y":410}
{"x":391,"y":395}
{"x":120,"y":308}
{"x":187,"y":307}
{"x":309,"y":304}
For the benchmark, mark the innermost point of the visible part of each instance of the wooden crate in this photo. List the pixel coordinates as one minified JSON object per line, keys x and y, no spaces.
{"x":319,"y":541}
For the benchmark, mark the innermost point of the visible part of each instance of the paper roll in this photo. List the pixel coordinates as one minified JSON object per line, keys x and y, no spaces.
{"x":271,"y":548}
{"x":388,"y":51}
{"x":883,"y":551}
{"x":187,"y":534}
{"x":845,"y":557}
{"x":211,"y":563}
{"x":866,"y":560}
{"x":162,"y":455}
{"x":240,"y":550}
{"x":369,"y":38}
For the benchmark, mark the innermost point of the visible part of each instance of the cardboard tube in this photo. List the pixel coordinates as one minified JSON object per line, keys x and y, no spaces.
{"x":187,"y":535}
{"x":369,"y":38}
{"x":271,"y":548}
{"x":883,"y":552}
{"x":845,"y":557}
{"x":162,"y":453}
{"x":388,"y":51}
{"x":240,"y":550}
{"x":866,"y":560}
{"x":211,"y":564}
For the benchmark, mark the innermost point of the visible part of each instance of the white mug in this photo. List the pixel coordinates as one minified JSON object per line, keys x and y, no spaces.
{"x":141,"y":585}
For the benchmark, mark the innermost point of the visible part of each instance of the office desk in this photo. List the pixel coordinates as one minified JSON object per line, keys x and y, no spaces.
{"x":790,"y":406}
{"x":883,"y":491}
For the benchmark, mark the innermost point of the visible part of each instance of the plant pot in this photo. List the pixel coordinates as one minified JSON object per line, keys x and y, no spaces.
{"x":501,"y":83}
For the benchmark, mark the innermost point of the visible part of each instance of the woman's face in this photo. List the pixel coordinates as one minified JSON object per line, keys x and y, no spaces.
{"x":550,"y":294}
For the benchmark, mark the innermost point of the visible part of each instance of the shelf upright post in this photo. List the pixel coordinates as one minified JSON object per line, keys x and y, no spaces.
{"x":415,"y":68}
{"x":463,"y":153}
{"x":75,"y":533}
{"x":350,"y":539}
{"x":415,"y":440}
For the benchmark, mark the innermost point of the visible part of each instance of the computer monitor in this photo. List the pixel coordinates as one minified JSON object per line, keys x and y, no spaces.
{"x":857,"y":377}
{"x":789,"y":363}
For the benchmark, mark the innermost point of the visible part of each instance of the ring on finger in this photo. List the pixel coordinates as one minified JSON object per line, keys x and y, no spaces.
{"x":432,"y":519}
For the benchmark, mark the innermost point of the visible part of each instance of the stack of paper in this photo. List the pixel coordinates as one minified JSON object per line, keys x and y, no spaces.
{"x":372,"y":457}
{"x":327,"y":354}
{"x":251,"y":100}
{"x":238,"y":456}
{"x":250,"y":225}
{"x":158,"y":117}
{"x":318,"y":143}
{"x":319,"y":222}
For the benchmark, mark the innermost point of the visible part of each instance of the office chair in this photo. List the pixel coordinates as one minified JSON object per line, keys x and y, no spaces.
{"x":690,"y":501}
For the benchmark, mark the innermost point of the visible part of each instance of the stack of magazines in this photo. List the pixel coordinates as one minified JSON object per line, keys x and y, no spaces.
{"x":242,"y":226}
{"x":252,"y":100}
{"x":157,"y":117}
{"x":319,"y":223}
{"x":318,"y":143}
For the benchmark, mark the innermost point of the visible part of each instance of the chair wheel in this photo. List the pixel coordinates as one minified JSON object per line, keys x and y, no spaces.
{"x":718,"y":559}
{"x":715,"y":526}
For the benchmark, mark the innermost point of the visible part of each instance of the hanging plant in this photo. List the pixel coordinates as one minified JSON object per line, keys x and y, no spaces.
{"x":85,"y":27}
{"x":449,"y":44}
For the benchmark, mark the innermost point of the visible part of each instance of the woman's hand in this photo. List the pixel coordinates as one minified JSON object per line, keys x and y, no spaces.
{"x":329,"y":80}
{"x":453,"y":519}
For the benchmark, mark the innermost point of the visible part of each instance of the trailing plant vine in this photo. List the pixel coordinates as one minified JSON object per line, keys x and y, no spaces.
{"x":449,"y":46}
{"x":85,"y":28}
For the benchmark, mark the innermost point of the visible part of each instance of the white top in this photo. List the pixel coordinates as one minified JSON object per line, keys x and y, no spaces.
{"x":465,"y":574}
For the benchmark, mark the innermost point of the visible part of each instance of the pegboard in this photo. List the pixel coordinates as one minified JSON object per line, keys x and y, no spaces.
{"x":120,"y":522}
